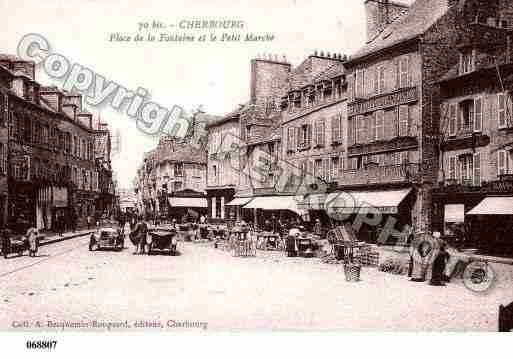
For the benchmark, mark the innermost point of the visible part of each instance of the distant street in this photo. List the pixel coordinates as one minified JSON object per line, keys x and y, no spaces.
{"x":69,"y":283}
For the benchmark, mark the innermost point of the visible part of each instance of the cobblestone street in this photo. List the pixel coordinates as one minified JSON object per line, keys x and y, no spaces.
{"x":69,"y":283}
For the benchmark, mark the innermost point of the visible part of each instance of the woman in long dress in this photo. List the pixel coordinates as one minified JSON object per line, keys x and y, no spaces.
{"x":32,"y":240}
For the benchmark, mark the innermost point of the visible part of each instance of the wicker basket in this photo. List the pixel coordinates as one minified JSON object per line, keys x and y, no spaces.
{"x":352,"y":272}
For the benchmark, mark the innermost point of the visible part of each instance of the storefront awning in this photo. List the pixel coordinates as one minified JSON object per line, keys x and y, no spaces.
{"x":366,"y":201}
{"x":494,"y":205}
{"x":454,"y":213}
{"x":275,"y":203}
{"x":316,"y":201}
{"x":239,"y":201}
{"x":195,"y":202}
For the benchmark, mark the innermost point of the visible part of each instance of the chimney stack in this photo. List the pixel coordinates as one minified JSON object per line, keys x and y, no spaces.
{"x":379,"y":14}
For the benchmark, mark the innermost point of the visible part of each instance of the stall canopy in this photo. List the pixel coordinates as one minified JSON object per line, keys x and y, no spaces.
{"x":494,"y":205}
{"x":454,"y":213}
{"x":195,"y":202}
{"x":369,"y":201}
{"x":239,"y":201}
{"x":275,"y":203}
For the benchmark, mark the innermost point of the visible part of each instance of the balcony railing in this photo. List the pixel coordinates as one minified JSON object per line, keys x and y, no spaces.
{"x":376,"y":175}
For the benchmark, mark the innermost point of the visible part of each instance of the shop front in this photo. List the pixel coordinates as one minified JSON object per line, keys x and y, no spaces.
{"x":187,"y":205}
{"x":271,"y":208}
{"x":368,"y":211}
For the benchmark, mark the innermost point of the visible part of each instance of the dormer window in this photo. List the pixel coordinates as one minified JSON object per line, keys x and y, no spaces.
{"x":467,"y":62}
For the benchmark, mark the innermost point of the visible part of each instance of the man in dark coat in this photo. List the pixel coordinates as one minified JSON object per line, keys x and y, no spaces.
{"x":437,"y":276}
{"x":139,"y":236}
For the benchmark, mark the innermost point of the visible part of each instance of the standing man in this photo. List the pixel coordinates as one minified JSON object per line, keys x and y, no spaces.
{"x":140,"y":233}
{"x":89,"y":220}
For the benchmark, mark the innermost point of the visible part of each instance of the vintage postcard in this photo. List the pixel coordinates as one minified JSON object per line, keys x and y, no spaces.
{"x":288,"y":165}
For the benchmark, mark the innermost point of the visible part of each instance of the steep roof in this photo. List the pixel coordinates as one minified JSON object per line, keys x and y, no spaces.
{"x":421,"y":15}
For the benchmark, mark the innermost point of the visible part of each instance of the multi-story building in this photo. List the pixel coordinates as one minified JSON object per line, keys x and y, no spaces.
{"x":313,"y":128}
{"x":476,"y":146}
{"x":253,"y":153}
{"x":49,"y":156}
{"x":393,"y":112}
{"x":172,"y":178}
{"x":223,"y":165}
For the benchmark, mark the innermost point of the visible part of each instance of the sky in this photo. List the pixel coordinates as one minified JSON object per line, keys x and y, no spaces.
{"x":215,"y":75}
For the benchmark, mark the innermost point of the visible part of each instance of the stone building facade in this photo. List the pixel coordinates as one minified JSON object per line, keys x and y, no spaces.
{"x":475,"y":191}
{"x":49,"y":158}
{"x":393,"y":111}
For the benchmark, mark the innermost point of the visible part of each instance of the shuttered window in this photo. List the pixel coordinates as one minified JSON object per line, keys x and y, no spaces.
{"x":336,"y":129}
{"x":290,"y":139}
{"x":477,"y":169}
{"x":452,"y":167}
{"x":478,"y":115}
{"x":360,"y":84}
{"x":502,"y":162}
{"x":335,"y":165}
{"x":361,"y":122}
{"x":351,"y":131}
{"x":501,"y":98}
{"x":404,"y":120}
{"x":404,"y":72}
{"x":319,"y":132}
{"x":380,"y":125}
{"x":452,"y":119}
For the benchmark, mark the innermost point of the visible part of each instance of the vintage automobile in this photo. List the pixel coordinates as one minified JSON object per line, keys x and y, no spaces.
{"x":162,"y":240}
{"x":17,"y":244}
{"x":13,"y":242}
{"x":107,"y":236}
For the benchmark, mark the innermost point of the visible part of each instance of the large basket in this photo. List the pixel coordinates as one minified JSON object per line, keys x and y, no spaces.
{"x":352,"y":272}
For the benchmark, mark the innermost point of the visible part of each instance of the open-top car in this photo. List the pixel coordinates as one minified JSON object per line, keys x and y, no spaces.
{"x":108,"y":235}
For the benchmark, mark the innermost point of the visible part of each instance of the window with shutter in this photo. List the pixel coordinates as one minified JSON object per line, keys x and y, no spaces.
{"x":351,"y":86}
{"x":403,"y":120}
{"x":336,"y":129}
{"x":478,"y":115}
{"x":360,"y":129}
{"x":502,"y":162}
{"x":335,"y":162}
{"x":501,"y":110}
{"x":297,"y":137}
{"x":380,"y":125}
{"x":372,"y":125}
{"x":452,"y":167}
{"x":477,"y":169}
{"x":321,"y":133}
{"x":381,"y":74}
{"x":404,"y":72}
{"x":397,"y":74}
{"x":452,"y":119}
{"x":360,"y":84}
{"x":326,"y":174}
{"x":351,"y":131}
{"x":376,"y":80}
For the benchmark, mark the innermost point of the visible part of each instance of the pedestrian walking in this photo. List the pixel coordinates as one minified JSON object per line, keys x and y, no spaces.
{"x":139,"y":235}
{"x":32,"y":239}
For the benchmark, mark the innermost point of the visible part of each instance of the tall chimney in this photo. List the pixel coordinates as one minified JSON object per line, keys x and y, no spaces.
{"x":380,"y":13}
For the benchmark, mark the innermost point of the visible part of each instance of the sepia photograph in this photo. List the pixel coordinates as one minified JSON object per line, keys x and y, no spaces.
{"x":299,"y":166}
